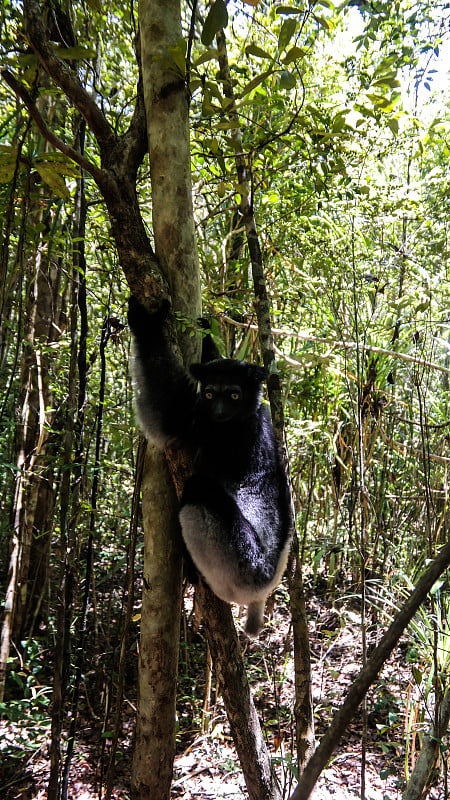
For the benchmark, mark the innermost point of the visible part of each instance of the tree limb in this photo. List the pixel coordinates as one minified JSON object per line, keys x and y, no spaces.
{"x":21,"y":91}
{"x":120,"y":158}
{"x":260,"y":779}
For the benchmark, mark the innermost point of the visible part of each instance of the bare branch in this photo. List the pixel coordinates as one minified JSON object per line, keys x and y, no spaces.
{"x":335,"y":343}
{"x":134,"y":142}
{"x":20,"y":90}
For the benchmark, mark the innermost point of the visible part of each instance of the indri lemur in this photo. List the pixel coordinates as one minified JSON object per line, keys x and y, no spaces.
{"x":235,"y":509}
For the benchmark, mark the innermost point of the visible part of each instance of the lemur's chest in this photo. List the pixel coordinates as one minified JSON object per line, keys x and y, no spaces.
{"x":225,"y":453}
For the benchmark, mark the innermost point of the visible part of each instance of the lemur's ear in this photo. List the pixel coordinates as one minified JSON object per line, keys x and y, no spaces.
{"x":197,"y":371}
{"x":261,"y":374}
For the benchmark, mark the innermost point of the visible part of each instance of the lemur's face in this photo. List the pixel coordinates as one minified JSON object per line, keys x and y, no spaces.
{"x":229,"y":390}
{"x":222,"y":401}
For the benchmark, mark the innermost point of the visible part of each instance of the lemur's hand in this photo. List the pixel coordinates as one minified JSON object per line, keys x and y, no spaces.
{"x":143,"y":324}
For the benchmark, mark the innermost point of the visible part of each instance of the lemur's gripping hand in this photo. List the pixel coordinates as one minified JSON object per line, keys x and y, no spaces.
{"x":204,"y":323}
{"x":144,"y":325}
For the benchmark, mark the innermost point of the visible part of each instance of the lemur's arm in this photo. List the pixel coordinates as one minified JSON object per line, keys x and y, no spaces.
{"x":165,"y":395}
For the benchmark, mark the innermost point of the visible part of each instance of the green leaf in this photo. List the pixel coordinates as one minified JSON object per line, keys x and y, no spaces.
{"x":392,"y":123}
{"x":208,"y":55}
{"x":75,"y":53}
{"x":178,"y":53}
{"x":287,"y":10}
{"x":227,"y":103}
{"x":60,"y":163}
{"x":208,"y":107}
{"x":227,"y":126}
{"x":385,"y":65}
{"x":437,"y":586}
{"x":194,"y":85}
{"x":6,"y":172}
{"x":55,"y":155}
{"x":287,"y":80}
{"x":52,"y":179}
{"x":271,"y":198}
{"x":255,"y":50}
{"x":255,"y":82}
{"x":286,"y":33}
{"x":8,"y":158}
{"x":27,"y":60}
{"x":243,"y":189}
{"x":325,"y":23}
{"x":68,"y":168}
{"x":388,"y":80}
{"x":216,"y":19}
{"x":293,"y":54}
{"x":378,"y":99}
{"x":393,"y":101}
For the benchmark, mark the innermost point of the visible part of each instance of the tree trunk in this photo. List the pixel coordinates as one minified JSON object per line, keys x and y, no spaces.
{"x":248,"y":739}
{"x":173,"y":225}
{"x":73,"y":426}
{"x":158,"y":653}
{"x":167,"y":110}
{"x":303,"y":708}
{"x":33,"y":498}
{"x":303,"y":705}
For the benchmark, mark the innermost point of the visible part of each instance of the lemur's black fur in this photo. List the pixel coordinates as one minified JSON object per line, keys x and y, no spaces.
{"x":235,"y":509}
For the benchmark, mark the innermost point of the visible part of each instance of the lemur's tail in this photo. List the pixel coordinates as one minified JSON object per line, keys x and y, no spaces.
{"x":255,"y":618}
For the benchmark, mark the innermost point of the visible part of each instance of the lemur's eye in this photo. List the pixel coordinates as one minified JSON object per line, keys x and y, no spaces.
{"x":208,"y":395}
{"x":235,"y":396}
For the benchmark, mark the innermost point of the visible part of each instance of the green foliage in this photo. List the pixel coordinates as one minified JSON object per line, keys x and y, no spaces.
{"x":26,"y":721}
{"x":216,"y":19}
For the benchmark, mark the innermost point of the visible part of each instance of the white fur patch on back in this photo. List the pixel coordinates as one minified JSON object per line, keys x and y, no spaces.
{"x":206,"y":542}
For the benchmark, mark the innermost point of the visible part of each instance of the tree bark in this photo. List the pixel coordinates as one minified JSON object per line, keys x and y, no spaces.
{"x":303,"y":704}
{"x":260,"y":779}
{"x":174,"y":235}
{"x":167,"y":110}
{"x":158,"y":652}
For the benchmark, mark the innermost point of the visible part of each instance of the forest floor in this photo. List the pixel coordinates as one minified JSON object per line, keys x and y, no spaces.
{"x":206,"y":765}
